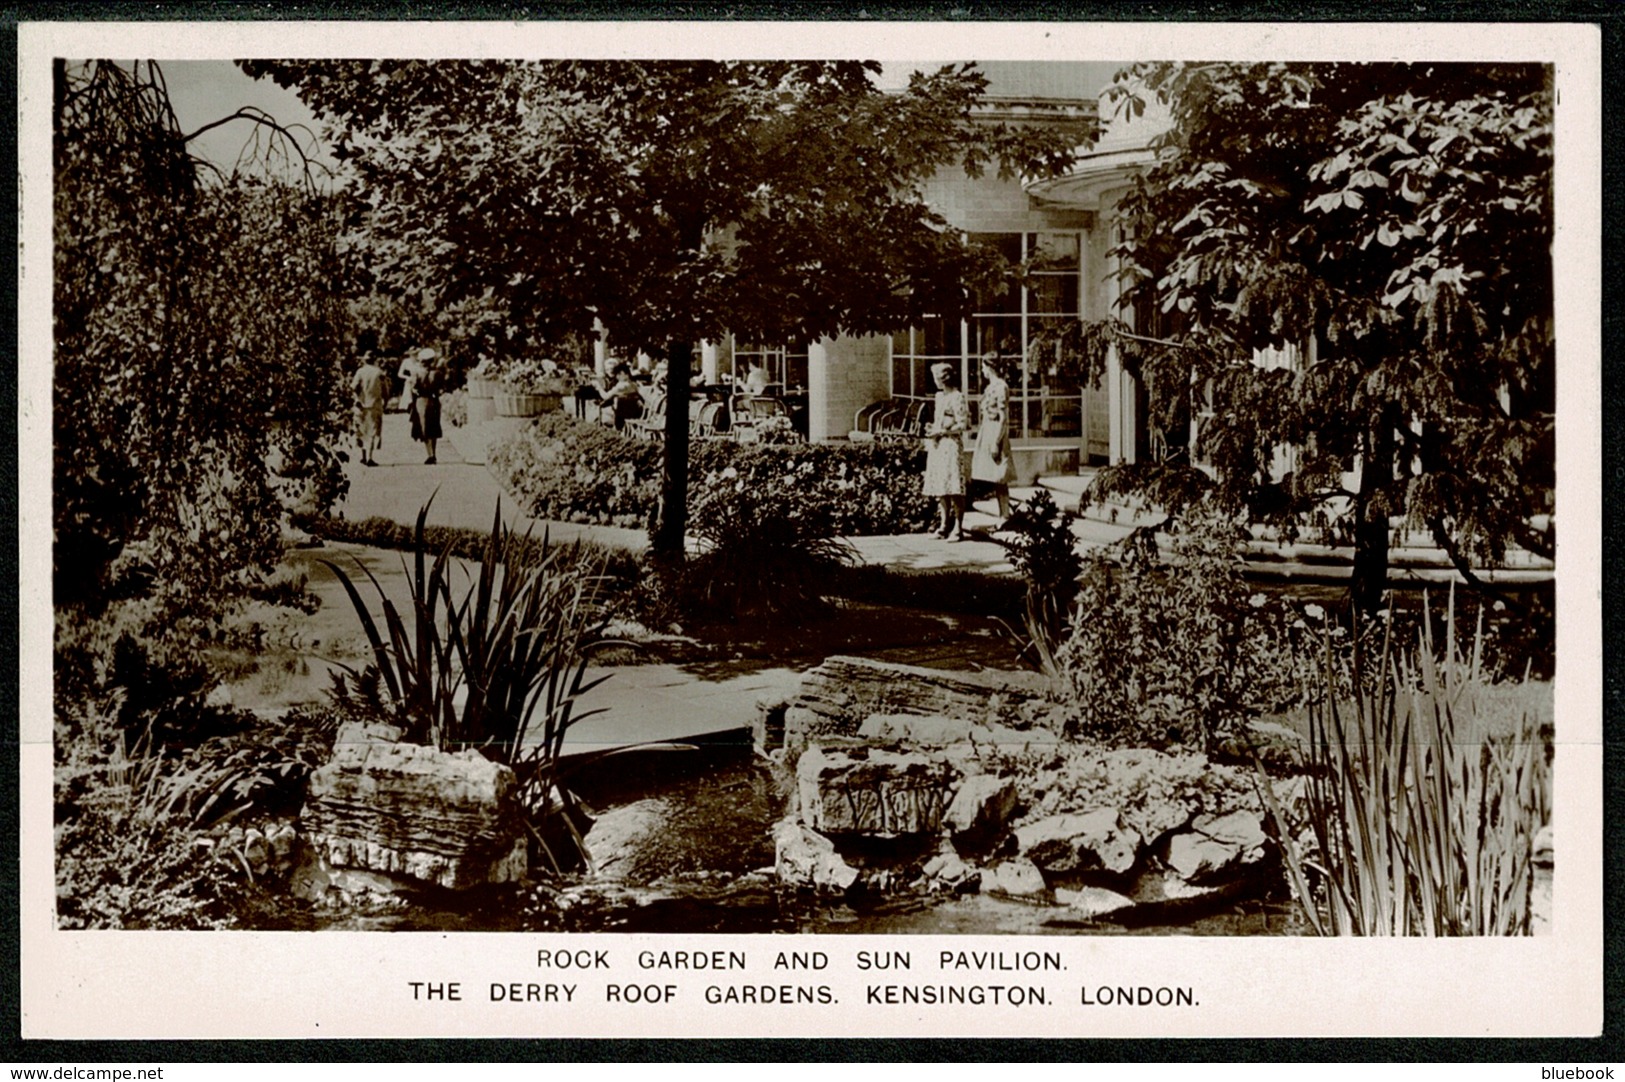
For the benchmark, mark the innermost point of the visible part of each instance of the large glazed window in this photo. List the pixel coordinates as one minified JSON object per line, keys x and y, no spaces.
{"x":786,"y":366}
{"x":1006,"y":318}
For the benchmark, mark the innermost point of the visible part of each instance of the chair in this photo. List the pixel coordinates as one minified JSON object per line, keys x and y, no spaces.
{"x":750,"y":414}
{"x":863,"y":421}
{"x":919,"y":417}
{"x":704,"y":425}
{"x":652,"y":425}
{"x":892,"y":420}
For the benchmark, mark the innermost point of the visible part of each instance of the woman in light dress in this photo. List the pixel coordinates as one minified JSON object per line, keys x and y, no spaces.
{"x":944,"y":462}
{"x":413,"y":369}
{"x":991,"y":464}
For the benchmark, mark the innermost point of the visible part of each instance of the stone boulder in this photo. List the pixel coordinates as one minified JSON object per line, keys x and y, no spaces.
{"x":416,"y":813}
{"x":981,"y":808}
{"x":805,"y":858}
{"x":1092,"y":902}
{"x":1216,"y":847}
{"x":873,"y":791}
{"x":948,"y":871}
{"x":617,"y":837}
{"x":837,"y":696}
{"x":1070,"y":844}
{"x":1017,"y":877}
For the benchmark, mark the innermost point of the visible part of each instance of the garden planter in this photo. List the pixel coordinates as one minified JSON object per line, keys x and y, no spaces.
{"x":1035,"y":458}
{"x":516,"y":404}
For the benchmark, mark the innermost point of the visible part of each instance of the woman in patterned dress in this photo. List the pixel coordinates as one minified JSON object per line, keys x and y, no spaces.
{"x":991,"y":464}
{"x":944,"y":464}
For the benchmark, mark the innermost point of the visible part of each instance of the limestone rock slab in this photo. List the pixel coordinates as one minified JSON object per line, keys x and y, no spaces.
{"x":805,"y":858}
{"x":1016,"y":877}
{"x":1093,"y":901}
{"x":412,"y":811}
{"x":1070,"y":843}
{"x":873,"y":791}
{"x":982,"y":806}
{"x":836,"y":696}
{"x":1217,"y":846}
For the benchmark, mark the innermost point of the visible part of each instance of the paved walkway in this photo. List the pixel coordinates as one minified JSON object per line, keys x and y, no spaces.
{"x":663,"y":702}
{"x":466,"y":495}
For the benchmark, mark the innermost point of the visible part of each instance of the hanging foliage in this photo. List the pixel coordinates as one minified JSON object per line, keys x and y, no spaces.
{"x":199,"y":334}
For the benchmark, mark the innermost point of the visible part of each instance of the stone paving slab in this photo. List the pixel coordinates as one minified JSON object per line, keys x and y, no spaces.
{"x":662,"y":702}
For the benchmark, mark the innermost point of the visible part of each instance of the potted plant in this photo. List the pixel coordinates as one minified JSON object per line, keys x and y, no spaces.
{"x":530,"y":388}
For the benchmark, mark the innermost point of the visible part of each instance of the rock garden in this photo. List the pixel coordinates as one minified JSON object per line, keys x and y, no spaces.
{"x":870,"y":793}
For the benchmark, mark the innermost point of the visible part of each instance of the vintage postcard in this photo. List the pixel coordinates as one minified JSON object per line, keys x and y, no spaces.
{"x":810,"y":529}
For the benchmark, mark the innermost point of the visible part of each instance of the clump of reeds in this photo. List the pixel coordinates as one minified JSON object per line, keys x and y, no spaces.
{"x":501,"y":667}
{"x":1420,"y":820}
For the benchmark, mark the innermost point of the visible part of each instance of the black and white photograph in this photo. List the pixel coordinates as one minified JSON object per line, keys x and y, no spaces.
{"x":742,"y":530}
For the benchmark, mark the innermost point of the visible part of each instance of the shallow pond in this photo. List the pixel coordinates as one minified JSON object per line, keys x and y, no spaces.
{"x":702,"y":860}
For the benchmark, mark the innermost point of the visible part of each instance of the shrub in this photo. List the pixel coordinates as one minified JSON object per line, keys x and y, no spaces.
{"x":132,"y":823}
{"x":853,"y":489}
{"x":766,"y":548}
{"x":196,"y":326}
{"x":561,"y":468}
{"x":1045,"y":551}
{"x":1173,"y":653}
{"x":146,"y":666}
{"x":571,"y":470}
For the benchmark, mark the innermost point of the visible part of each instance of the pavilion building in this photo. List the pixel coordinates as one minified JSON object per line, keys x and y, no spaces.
{"x":1065,"y":227}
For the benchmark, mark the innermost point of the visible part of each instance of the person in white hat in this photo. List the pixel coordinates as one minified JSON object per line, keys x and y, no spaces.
{"x":422,"y":395}
{"x":944,"y":454}
{"x":414,"y":368}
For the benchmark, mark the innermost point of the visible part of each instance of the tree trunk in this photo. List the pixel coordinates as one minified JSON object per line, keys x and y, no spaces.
{"x":1369,"y":579}
{"x":672,"y":523}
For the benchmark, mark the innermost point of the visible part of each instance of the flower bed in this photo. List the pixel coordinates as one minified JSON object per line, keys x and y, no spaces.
{"x":571,"y":471}
{"x":565,"y":469}
{"x":860,"y":489}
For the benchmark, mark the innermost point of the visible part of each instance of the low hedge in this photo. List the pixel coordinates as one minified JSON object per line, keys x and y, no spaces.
{"x":570,"y":470}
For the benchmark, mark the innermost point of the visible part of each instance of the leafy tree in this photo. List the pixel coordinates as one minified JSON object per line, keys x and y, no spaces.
{"x":1392,"y":223}
{"x":196,"y":344}
{"x":667,"y":202}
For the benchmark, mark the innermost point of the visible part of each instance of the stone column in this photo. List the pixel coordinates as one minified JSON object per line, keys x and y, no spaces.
{"x":843,"y":376}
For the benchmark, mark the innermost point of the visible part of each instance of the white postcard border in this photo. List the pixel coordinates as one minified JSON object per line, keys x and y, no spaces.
{"x":224,"y":984}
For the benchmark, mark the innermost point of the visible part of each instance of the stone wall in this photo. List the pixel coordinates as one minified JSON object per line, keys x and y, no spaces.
{"x":1138,"y":835}
{"x":908,"y":778}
